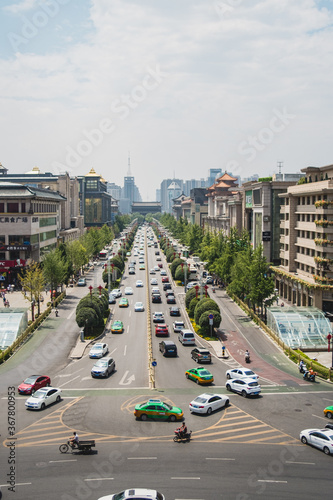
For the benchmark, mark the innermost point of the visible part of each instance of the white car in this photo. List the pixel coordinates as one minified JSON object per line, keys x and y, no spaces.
{"x":153,"y":281}
{"x":43,"y":397}
{"x":128,"y":290}
{"x":244,"y":386}
{"x":139,"y":284}
{"x":241,"y":373}
{"x":116,"y":292}
{"x":207,"y":403}
{"x":178,"y":326}
{"x":158,"y":317}
{"x":319,"y":438}
{"x":139,"y":307}
{"x":98,"y":350}
{"x":156,"y":268}
{"x":135,"y":494}
{"x":163,"y":272}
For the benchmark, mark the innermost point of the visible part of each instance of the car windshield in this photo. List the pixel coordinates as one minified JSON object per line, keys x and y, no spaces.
{"x":248,"y":373}
{"x":119,"y":496}
{"x":97,"y":348}
{"x":39,"y":395}
{"x":200,"y":399}
{"x":30,"y":380}
{"x":204,"y":372}
{"x":101,"y":363}
{"x":168,"y":406}
{"x":252,"y":384}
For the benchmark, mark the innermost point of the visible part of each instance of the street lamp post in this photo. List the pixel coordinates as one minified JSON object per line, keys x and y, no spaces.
{"x":90,"y":290}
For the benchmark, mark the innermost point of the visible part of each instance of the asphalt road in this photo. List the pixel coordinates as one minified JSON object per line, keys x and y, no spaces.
{"x":250,"y":450}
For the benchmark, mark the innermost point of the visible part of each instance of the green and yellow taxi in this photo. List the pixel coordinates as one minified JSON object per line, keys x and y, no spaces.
{"x":117,"y":326}
{"x":123,"y":302}
{"x":328,"y":412}
{"x":142,"y":267}
{"x":157,"y":410}
{"x":200,"y":375}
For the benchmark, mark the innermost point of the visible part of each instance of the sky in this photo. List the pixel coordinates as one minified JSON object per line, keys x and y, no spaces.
{"x":181,"y":86}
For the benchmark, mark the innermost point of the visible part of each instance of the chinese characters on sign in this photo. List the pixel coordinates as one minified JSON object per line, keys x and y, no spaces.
{"x":12,"y":220}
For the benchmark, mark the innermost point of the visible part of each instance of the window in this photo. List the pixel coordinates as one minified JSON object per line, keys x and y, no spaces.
{"x":23,"y":207}
{"x":2,"y":208}
{"x":13,"y":208}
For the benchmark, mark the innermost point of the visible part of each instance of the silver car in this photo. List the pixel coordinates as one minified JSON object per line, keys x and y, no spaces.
{"x":103,"y":367}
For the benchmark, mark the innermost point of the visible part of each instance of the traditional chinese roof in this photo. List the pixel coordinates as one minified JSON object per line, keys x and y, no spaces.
{"x":92,"y":173}
{"x":34,"y":171}
{"x":15,"y":190}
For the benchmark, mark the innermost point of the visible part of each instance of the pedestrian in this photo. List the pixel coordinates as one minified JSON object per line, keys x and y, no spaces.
{"x":282,"y":305}
{"x":4,"y":300}
{"x":7,"y":303}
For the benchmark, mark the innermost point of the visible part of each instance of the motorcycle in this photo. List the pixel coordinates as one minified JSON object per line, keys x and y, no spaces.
{"x":302,"y":368}
{"x":179,"y":437}
{"x":310,"y":377}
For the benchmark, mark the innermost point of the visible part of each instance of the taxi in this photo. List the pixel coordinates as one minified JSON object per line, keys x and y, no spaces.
{"x":328,"y":412}
{"x":157,"y":410}
{"x":200,"y":375}
{"x":117,"y":326}
{"x":123,"y":302}
{"x":142,"y":267}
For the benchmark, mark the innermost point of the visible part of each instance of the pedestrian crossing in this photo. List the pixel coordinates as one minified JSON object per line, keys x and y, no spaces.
{"x":234,"y":426}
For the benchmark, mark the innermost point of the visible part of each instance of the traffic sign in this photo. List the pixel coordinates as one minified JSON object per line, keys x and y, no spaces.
{"x":211,"y":316}
{"x":154,"y":363}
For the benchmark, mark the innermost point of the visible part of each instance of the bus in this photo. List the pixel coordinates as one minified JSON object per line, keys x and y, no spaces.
{"x":103,"y":255}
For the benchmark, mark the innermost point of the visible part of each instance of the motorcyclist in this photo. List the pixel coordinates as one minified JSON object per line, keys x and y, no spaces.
{"x":182,"y":430}
{"x":302,"y":366}
{"x":247,"y":355}
{"x":74,"y":440}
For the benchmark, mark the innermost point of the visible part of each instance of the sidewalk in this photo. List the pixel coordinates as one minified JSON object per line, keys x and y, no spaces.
{"x":16,"y":299}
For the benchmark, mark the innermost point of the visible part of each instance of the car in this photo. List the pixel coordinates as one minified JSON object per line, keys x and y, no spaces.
{"x":153,"y":281}
{"x":244,"y":386}
{"x":174,"y":311}
{"x":171,"y":299}
{"x":328,"y":412}
{"x":138,"y":307}
{"x":131,"y":270}
{"x":152,"y":271}
{"x":167,"y":286}
{"x":156,"y":251}
{"x":139,"y":284}
{"x":159,"y":410}
{"x":123,"y":302}
{"x":135,"y":494}
{"x":132,"y":263}
{"x":163,"y":272}
{"x":156,"y":269}
{"x":112,"y":298}
{"x":165,"y":279}
{"x":142,"y":267}
{"x":207,"y":403}
{"x":155,"y":290}
{"x":168,"y":348}
{"x":128,"y":290}
{"x":319,"y":438}
{"x":116,"y":292}
{"x":209,"y":280}
{"x":43,"y":397}
{"x":161,"y":329}
{"x":103,"y":367}
{"x":200,"y":375}
{"x":178,"y":326}
{"x":117,"y":326}
{"x":128,"y":254}
{"x":156,"y":298}
{"x":329,"y":426}
{"x":186,"y":337}
{"x":201,"y":355}
{"x":141,"y":260}
{"x":33,"y":383}
{"x":160,"y":265}
{"x":241,"y":373}
{"x":98,"y":350}
{"x":82,"y":282}
{"x":158,"y":317}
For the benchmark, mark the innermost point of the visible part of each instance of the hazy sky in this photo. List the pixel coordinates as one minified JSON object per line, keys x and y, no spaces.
{"x":184,"y":85}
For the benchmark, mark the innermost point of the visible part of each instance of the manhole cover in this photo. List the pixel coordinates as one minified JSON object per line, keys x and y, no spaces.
{"x":308,"y":404}
{"x":297,"y":409}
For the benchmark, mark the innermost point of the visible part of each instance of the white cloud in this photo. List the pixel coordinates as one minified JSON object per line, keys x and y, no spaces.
{"x":23,"y":6}
{"x":225,"y":76}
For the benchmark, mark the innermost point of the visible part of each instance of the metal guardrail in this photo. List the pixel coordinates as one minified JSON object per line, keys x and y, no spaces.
{"x":30,"y":330}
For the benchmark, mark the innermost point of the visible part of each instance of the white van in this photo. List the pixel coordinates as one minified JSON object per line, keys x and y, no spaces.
{"x":186,"y":337}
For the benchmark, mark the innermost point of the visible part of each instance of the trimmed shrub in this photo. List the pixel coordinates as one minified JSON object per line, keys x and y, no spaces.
{"x":174,"y":266}
{"x":190,"y":294}
{"x":192,"y":307}
{"x":205,"y":304}
{"x":204,"y":321}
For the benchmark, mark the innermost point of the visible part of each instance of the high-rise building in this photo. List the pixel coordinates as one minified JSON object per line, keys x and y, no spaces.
{"x":213,"y":174}
{"x":164,"y":193}
{"x":130,"y":192}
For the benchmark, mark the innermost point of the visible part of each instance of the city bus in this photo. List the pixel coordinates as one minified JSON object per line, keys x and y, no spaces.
{"x":103,"y":255}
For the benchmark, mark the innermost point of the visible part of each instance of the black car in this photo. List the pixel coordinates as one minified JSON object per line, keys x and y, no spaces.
{"x":174,"y":311}
{"x":156,"y":298}
{"x":167,"y":286}
{"x":171,"y":299}
{"x":157,"y":252}
{"x":168,"y":348}
{"x":201,"y":355}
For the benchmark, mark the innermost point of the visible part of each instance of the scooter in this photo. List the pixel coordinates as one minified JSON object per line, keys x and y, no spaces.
{"x":309,"y":377}
{"x":302,"y":368}
{"x":182,"y":438}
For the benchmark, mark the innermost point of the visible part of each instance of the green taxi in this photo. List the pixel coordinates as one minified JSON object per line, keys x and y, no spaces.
{"x":117,"y":326}
{"x":157,"y":410}
{"x":328,"y":412}
{"x":123,"y":302}
{"x":200,"y":375}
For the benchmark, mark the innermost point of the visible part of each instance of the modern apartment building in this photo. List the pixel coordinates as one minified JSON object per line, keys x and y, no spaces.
{"x":305,"y":276}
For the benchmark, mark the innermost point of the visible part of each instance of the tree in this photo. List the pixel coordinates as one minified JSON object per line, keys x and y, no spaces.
{"x":78,"y":255}
{"x":33,"y":282}
{"x":240,"y":274}
{"x":190,"y":294}
{"x":262,"y":285}
{"x":203,"y":305}
{"x":54,"y":270}
{"x":204,"y":324}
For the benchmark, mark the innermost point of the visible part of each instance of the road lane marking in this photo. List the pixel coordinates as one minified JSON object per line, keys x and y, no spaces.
{"x":125,"y":349}
{"x":71,"y":314}
{"x":100,"y":479}
{"x":186,"y":478}
{"x":302,"y":463}
{"x":16,"y":484}
{"x":318,"y":416}
{"x":141,"y":458}
{"x":68,"y":381}
{"x":130,"y":379}
{"x":69,"y":374}
{"x":213,"y":458}
{"x":58,"y":461}
{"x":270,"y":481}
{"x":114,"y":350}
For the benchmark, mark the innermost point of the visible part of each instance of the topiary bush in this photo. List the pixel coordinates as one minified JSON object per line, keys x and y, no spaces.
{"x":204,"y":321}
{"x":205,"y":304}
{"x":190,"y":294}
{"x":192,"y":307}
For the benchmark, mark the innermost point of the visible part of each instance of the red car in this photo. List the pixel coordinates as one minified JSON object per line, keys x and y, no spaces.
{"x":33,"y":383}
{"x":165,"y":279}
{"x":160,"y":265}
{"x":161,"y":330}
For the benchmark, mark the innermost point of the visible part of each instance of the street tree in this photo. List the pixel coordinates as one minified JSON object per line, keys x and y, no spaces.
{"x":33,"y":283}
{"x":54,"y":270}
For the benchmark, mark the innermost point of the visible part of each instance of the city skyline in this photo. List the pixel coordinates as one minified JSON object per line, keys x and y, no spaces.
{"x":185,"y":87}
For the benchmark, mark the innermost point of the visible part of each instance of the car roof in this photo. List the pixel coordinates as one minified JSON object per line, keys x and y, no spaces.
{"x":168,"y":342}
{"x":201,"y":349}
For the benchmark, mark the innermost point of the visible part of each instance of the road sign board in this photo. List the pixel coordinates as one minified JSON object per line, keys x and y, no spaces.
{"x":211,"y":316}
{"x":154,"y":363}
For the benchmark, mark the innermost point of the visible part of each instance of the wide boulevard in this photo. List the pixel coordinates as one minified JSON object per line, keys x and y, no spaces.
{"x":250,"y":450}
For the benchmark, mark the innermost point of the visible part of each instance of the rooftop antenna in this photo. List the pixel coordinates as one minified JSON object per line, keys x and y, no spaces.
{"x":280,"y":165}
{"x":129,"y":166}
